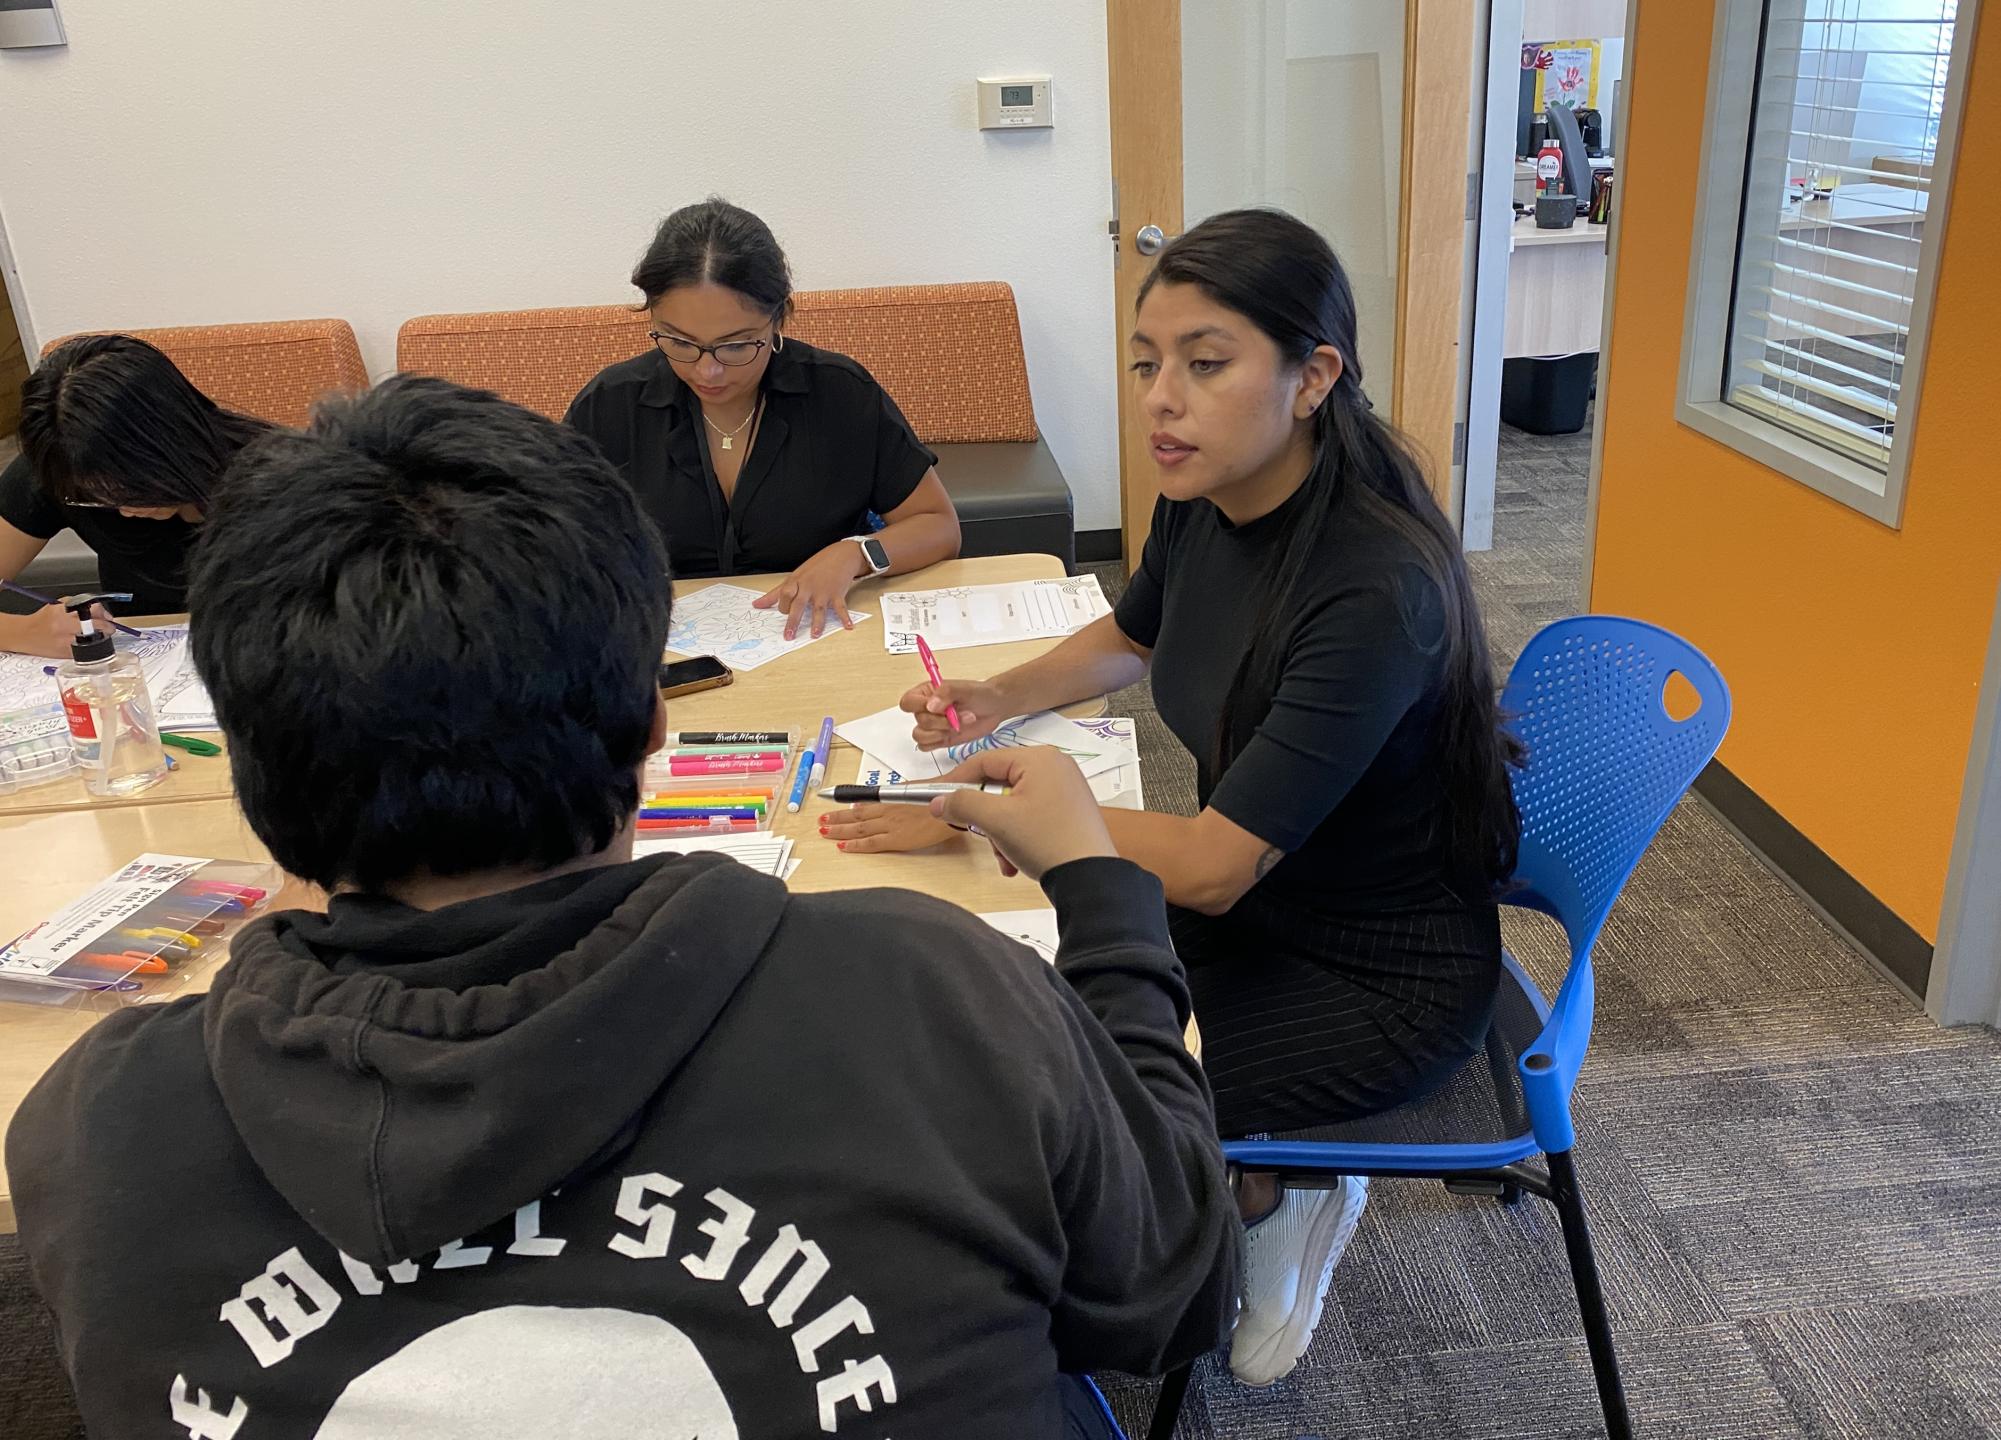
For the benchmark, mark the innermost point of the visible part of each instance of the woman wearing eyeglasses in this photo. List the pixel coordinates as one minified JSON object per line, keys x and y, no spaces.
{"x":753,"y":451}
{"x":119,"y":446}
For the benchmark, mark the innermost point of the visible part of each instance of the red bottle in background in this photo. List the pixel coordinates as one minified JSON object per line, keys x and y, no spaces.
{"x":1549,"y":169}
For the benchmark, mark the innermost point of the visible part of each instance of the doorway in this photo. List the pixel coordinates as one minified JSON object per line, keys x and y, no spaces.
{"x":13,"y":365}
{"x":1355,"y":115}
{"x":1540,"y":310}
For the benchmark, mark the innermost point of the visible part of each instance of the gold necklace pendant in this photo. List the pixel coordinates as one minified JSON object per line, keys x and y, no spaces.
{"x":728,"y":437}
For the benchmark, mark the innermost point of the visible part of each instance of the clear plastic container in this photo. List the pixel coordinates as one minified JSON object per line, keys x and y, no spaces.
{"x":137,"y":937}
{"x":716,"y":789}
{"x":34,"y":748}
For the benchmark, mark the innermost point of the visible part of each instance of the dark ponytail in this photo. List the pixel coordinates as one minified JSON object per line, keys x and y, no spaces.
{"x":1280,"y":275}
{"x":715,"y":242}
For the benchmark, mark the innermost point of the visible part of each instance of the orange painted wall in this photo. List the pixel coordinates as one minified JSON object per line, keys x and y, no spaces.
{"x":1853,"y":651}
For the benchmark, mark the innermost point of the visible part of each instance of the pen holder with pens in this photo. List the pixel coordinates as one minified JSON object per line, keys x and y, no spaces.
{"x":139,"y":937}
{"x":726,"y":785}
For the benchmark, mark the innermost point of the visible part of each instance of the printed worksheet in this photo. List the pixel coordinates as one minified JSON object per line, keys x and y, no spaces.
{"x":718,"y":621}
{"x":969,"y":615}
{"x":885,"y":736}
{"x":180,"y":700}
{"x":26,"y":684}
{"x":1034,"y":928}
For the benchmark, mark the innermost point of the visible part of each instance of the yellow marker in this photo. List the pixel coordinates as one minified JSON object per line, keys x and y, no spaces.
{"x":178,"y":937}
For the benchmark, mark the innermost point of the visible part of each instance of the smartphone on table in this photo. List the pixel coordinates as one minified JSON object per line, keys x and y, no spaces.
{"x":685,"y":677}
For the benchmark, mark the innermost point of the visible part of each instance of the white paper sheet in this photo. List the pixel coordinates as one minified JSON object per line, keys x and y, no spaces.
{"x":886,"y":735}
{"x":967,"y":615}
{"x":24,"y":683}
{"x":1034,"y":928}
{"x":718,"y":621}
{"x":761,"y":851}
{"x":180,"y":700}
{"x":1119,"y":789}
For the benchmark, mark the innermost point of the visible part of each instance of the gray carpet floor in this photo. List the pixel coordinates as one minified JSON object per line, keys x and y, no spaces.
{"x":1794,"y":1176}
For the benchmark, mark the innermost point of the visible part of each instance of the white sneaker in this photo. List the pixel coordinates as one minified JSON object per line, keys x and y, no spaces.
{"x":1289,"y":1259}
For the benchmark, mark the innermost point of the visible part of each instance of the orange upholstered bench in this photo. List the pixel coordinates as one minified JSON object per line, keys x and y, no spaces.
{"x":273,"y":369}
{"x":950,"y":356}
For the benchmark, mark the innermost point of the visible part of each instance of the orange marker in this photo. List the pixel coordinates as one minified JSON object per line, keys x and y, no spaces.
{"x":132,"y":963}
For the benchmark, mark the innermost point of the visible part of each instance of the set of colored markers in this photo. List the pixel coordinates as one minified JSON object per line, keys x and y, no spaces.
{"x":715,"y":782}
{"x":137,"y":931}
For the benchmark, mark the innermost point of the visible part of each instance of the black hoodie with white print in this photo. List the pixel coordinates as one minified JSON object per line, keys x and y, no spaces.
{"x":655,"y":1149}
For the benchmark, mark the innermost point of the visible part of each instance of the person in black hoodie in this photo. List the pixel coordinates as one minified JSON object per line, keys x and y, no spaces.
{"x":526,"y":1137}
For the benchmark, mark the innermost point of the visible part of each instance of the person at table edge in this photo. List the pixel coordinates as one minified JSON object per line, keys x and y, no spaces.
{"x":119,"y":446}
{"x":751,"y":450}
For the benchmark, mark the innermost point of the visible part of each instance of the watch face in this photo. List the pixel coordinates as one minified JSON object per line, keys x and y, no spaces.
{"x":877,"y":556}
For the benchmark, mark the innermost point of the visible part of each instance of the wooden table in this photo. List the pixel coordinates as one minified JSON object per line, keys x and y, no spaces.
{"x":61,"y":847}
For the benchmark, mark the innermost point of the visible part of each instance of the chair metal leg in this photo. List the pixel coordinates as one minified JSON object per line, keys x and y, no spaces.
{"x":1590,"y":1295}
{"x":1167,"y":1405}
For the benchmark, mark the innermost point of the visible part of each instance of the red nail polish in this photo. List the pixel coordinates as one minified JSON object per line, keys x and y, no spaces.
{"x":840,"y":844}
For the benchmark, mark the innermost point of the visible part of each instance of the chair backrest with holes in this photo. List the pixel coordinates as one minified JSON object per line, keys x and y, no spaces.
{"x":1606,"y":760}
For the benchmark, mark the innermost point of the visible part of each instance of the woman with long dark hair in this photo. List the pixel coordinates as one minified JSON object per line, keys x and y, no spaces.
{"x":750,"y":449}
{"x":1308,"y":623}
{"x":119,"y":446}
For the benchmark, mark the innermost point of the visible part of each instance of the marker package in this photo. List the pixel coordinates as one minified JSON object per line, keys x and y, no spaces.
{"x":139,"y":937}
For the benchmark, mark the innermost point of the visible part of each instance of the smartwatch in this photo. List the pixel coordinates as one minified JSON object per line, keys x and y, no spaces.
{"x":872,"y":551}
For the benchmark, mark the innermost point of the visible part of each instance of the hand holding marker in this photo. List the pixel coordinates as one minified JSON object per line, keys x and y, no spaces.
{"x":937,"y":677}
{"x":1047,"y":817}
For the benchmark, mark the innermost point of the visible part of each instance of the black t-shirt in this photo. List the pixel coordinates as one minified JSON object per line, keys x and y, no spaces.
{"x":147,"y":557}
{"x":832,"y":447}
{"x":1341,"y":767}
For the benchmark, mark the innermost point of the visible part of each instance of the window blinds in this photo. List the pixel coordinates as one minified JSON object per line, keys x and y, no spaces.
{"x":1844,"y":131}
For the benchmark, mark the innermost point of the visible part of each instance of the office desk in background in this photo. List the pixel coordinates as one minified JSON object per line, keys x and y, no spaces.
{"x":1556,"y":289}
{"x":57,"y":851}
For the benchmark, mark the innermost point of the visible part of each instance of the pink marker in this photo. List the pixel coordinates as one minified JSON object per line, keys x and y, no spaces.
{"x":724,"y":764}
{"x":249,"y":894}
{"x":937,"y":680}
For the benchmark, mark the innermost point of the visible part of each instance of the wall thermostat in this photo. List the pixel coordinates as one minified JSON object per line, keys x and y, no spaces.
{"x":1015,"y":104}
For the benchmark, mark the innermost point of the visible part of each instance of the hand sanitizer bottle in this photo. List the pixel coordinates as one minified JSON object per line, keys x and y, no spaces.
{"x":110,"y":712}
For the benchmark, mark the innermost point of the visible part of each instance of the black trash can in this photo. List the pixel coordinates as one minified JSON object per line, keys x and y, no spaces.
{"x":1548,"y":397}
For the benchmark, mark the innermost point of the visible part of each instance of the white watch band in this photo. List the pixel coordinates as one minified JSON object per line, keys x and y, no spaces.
{"x":865,"y":541}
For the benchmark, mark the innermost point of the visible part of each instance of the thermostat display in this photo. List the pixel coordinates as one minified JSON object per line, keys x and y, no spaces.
{"x":1015,"y":104}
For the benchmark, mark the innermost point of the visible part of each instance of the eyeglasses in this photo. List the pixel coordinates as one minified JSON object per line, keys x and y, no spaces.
{"x":686,"y":352}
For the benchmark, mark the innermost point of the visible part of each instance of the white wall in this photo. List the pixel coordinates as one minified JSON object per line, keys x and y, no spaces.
{"x":248,"y":160}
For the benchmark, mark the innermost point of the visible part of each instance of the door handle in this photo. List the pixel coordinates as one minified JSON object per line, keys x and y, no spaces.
{"x":1149,"y":239}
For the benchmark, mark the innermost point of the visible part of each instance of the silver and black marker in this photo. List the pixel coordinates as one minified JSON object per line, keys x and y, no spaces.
{"x":903,"y":794}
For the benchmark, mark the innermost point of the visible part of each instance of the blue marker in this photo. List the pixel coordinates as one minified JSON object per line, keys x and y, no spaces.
{"x":800,"y":783}
{"x":821,"y":750}
{"x":698,"y":812}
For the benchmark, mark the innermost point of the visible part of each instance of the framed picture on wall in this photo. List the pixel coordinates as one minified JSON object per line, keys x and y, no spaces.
{"x":1569,"y":76}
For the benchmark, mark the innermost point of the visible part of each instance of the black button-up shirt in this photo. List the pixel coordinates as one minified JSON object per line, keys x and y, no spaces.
{"x":831,"y":448}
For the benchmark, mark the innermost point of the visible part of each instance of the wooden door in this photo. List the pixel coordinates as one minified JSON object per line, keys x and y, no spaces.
{"x":1144,"y":71}
{"x":13,"y":367}
{"x":1144,"y":63}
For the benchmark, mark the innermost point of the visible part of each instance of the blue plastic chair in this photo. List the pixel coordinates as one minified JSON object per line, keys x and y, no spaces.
{"x":1606,"y":763}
